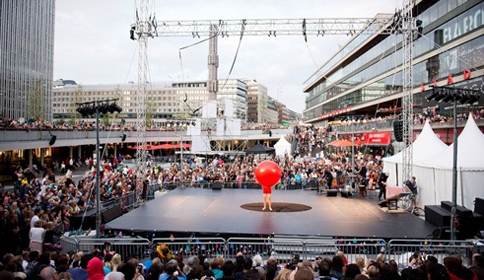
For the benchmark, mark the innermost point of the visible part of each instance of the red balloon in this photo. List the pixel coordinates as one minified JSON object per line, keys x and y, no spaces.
{"x":267,"y":173}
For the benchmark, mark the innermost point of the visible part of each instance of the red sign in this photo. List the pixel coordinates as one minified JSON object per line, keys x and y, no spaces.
{"x":378,"y":138}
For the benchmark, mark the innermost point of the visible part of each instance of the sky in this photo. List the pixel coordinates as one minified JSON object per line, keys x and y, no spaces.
{"x":92,"y":44}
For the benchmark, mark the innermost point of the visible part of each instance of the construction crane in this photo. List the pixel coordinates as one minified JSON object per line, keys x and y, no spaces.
{"x":147,"y":26}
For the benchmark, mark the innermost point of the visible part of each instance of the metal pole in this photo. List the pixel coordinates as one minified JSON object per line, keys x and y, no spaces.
{"x":181,"y":155}
{"x":353,"y":155}
{"x":453,"y":211}
{"x":98,"y":174}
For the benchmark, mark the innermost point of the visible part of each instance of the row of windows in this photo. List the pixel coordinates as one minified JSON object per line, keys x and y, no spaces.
{"x":466,"y":56}
{"x":428,"y":42}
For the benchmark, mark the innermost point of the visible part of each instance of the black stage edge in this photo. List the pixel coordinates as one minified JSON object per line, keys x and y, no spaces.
{"x":186,"y":211}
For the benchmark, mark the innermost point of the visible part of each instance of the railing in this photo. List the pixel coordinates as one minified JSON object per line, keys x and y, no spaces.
{"x":282,"y":247}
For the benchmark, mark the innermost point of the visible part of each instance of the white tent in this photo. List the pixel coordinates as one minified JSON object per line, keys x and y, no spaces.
{"x":283,"y":147}
{"x":425,"y":146}
{"x":470,"y":169}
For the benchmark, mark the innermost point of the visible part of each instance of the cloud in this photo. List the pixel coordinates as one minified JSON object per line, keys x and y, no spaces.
{"x":92,"y":44}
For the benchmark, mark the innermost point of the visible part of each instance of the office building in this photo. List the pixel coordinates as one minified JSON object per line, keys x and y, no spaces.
{"x":26,"y":58}
{"x":364,"y":78}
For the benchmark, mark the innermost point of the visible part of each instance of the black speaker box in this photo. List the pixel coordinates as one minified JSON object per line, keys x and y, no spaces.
{"x":216,"y":185}
{"x":52,"y":139}
{"x":461,"y":211}
{"x":479,"y":206}
{"x":111,"y":213}
{"x":331,"y":192}
{"x":437,"y":215}
{"x":346,"y":194}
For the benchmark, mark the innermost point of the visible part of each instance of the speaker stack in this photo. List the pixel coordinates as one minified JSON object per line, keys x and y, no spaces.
{"x":216,"y":186}
{"x":345,"y":193}
{"x":332,"y":192}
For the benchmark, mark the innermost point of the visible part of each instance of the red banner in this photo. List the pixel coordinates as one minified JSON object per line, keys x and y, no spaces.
{"x":378,"y":138}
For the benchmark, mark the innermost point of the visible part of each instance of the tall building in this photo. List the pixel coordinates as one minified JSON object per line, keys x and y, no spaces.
{"x":26,"y":58}
{"x":364,"y":78}
{"x":164,"y":100}
{"x":256,"y":102}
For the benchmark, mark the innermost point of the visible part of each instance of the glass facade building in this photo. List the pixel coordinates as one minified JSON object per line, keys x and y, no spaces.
{"x":26,"y":58}
{"x":359,"y":83}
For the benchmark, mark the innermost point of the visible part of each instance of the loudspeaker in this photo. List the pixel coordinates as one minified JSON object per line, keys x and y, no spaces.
{"x":479,"y":206}
{"x":123,"y":137}
{"x":461,"y":211}
{"x":437,"y":215}
{"x":216,"y":186}
{"x":346,"y":194}
{"x":331,"y":192}
{"x":52,"y":139}
{"x":398,"y":130}
{"x":111,"y":213}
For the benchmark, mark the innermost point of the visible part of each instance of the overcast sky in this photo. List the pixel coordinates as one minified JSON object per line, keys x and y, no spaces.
{"x":92,"y":44}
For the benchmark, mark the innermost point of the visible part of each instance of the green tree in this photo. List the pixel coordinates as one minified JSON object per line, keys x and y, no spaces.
{"x":36,"y":104}
{"x":77,"y":97}
{"x":150,"y":109}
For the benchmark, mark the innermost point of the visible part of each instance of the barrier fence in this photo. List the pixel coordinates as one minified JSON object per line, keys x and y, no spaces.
{"x":282,"y":248}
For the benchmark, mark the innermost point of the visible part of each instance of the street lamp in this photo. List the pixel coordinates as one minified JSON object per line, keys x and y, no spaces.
{"x":95,"y":108}
{"x":463,"y":96}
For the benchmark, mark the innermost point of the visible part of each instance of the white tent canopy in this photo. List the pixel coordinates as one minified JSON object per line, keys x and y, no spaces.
{"x":425,"y":146}
{"x":283,"y":147}
{"x":470,"y":169}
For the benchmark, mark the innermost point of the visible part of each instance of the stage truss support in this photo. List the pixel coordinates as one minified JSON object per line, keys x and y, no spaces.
{"x":147,"y":26}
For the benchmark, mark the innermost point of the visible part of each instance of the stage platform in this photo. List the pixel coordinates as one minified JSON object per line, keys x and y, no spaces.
{"x":210,"y":212}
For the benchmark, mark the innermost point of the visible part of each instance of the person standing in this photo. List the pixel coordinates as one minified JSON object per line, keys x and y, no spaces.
{"x":382,"y":183}
{"x":267,"y":195}
{"x":413,"y":186}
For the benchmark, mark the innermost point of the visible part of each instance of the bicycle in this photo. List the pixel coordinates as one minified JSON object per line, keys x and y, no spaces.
{"x":407,"y":199}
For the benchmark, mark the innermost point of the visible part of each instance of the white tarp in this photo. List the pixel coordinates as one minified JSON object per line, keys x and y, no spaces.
{"x":470,"y":169}
{"x":283,"y":147}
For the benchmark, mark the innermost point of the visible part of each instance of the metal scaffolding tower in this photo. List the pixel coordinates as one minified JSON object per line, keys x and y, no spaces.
{"x":147,"y":26}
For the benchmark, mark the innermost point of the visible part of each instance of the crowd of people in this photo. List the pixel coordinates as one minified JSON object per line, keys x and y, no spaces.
{"x":103,"y":263}
{"x":429,"y":113}
{"x":54,"y":197}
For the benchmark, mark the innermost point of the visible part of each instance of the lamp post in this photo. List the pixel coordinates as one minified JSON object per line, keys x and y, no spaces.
{"x":464,"y":96}
{"x":96,"y":108}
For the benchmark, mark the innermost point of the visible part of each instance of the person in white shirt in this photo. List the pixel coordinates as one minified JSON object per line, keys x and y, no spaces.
{"x":36,"y":236}
{"x":36,"y":217}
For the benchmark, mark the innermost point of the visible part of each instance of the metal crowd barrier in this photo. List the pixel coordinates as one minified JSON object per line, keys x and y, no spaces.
{"x":126,"y":247}
{"x":283,"y":248}
{"x":401,"y":250}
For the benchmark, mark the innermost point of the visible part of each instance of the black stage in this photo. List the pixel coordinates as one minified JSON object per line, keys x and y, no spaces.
{"x":219,"y":212}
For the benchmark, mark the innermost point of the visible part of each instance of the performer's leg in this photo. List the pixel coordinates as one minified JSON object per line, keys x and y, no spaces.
{"x":265,"y":198}
{"x":269,"y":197}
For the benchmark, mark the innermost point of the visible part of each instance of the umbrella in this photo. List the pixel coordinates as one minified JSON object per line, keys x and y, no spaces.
{"x":166,"y":146}
{"x":341,"y":143}
{"x":184,"y":146}
{"x":146,"y":147}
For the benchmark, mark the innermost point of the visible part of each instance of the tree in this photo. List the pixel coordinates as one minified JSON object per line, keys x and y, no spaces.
{"x":36,"y":104}
{"x":150,"y":109}
{"x":77,"y":97}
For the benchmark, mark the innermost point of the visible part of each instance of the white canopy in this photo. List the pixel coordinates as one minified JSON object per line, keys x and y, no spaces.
{"x":470,"y":169}
{"x":283,"y":147}
{"x":425,"y":146}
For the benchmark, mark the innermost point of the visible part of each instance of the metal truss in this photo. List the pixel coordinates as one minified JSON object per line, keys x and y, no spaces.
{"x":408,"y":27}
{"x":145,"y":27}
{"x":271,"y":27}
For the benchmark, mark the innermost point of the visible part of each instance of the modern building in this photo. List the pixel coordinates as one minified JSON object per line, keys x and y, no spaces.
{"x":256,"y":102}
{"x":364,"y":78}
{"x":164,"y":100}
{"x":26,"y":58}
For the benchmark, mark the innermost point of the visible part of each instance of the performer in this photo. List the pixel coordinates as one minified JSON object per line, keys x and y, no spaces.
{"x":267,"y":193}
{"x":382,"y":183}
